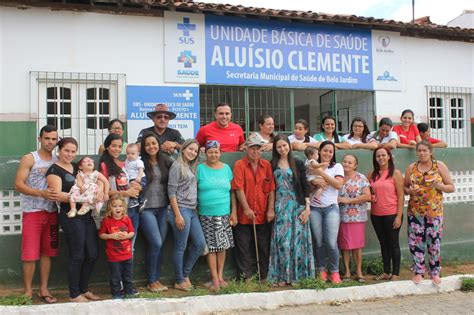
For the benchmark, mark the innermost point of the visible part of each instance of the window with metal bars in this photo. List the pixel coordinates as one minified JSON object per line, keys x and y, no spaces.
{"x":98,"y":108}
{"x":58,"y":107}
{"x":79,"y":104}
{"x":248,"y":104}
{"x":449,"y":114}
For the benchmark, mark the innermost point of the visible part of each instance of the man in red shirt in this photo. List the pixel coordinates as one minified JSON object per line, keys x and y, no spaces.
{"x":424,"y":130}
{"x":229,"y":135}
{"x":254,"y":185}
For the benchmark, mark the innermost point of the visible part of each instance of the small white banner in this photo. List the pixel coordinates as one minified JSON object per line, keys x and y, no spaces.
{"x":185,"y":59}
{"x":386,"y":56}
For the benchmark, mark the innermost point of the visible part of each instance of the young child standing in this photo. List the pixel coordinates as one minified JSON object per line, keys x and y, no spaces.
{"x":312,"y":156}
{"x":117,"y":231}
{"x":135,"y":170}
{"x":91,"y":189}
{"x":300,"y":139}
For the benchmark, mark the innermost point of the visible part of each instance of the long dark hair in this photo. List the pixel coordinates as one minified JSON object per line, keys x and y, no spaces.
{"x":112,"y":168}
{"x":164,"y":162}
{"x":334,"y":133}
{"x":305,"y":126}
{"x":291,"y":159}
{"x":366,"y":131}
{"x":333,"y":160}
{"x":391,"y":165}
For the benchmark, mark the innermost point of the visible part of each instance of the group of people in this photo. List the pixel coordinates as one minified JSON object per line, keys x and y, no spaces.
{"x":274,"y":213}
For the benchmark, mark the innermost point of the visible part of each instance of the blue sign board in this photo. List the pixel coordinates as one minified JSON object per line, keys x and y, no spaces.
{"x":182,"y":100}
{"x":272,"y":53}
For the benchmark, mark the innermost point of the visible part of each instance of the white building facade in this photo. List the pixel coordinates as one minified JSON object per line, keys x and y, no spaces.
{"x":77,"y":68}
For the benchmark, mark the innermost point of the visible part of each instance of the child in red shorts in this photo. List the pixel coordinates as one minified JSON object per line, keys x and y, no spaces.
{"x":117,"y":230}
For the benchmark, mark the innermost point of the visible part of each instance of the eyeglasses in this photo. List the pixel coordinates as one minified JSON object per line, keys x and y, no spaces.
{"x":165,"y":117}
{"x":358,"y":126}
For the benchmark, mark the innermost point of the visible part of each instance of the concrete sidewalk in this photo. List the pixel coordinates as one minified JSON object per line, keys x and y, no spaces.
{"x":245,"y":301}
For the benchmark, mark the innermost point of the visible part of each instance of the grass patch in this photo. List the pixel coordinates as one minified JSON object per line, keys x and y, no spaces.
{"x":311,"y":283}
{"x":372,"y":266}
{"x":343,"y":284}
{"x":150,"y":295}
{"x":467,"y":284}
{"x":318,"y":284}
{"x":251,"y":285}
{"x":199,"y":292}
{"x":16,"y":300}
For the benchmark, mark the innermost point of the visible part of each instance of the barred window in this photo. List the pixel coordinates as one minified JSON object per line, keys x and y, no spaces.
{"x":449,"y":114}
{"x":436,"y":112}
{"x":79,"y":104}
{"x":286,"y":105}
{"x":98,"y":108}
{"x":58,"y":107}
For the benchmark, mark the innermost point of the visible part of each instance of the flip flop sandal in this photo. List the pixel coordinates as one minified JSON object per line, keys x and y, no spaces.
{"x":436,"y":281}
{"x":47,"y":299}
{"x":360,"y":279}
{"x":383,"y":276}
{"x":416,"y":279}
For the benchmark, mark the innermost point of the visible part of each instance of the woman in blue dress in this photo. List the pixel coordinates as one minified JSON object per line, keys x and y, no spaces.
{"x":291,"y":251}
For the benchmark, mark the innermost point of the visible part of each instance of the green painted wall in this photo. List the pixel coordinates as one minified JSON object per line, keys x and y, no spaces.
{"x":17,"y":137}
{"x":458,"y":240}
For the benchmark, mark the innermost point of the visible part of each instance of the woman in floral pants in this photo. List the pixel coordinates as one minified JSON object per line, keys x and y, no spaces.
{"x":425,"y":182}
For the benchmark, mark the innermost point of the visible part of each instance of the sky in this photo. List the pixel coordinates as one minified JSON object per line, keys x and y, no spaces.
{"x":440,"y":11}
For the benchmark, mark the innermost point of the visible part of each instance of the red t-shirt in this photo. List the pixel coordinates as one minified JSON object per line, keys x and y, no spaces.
{"x":406,"y":136}
{"x":433,"y":140}
{"x":230,"y":137}
{"x":256,"y":188}
{"x":117,"y":250}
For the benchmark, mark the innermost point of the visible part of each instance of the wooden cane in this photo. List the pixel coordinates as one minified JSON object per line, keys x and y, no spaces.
{"x":256,"y":247}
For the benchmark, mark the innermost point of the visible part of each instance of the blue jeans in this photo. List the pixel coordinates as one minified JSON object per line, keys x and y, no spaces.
{"x":324,"y":224}
{"x":133,"y":215}
{"x":121,"y":271}
{"x":154,"y":226}
{"x":192,"y":229}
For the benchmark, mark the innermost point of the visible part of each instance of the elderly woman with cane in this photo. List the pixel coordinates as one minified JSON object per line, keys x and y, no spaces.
{"x":254,"y":185}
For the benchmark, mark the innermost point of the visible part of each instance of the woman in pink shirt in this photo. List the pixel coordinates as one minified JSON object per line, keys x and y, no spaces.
{"x":387,"y":210}
{"x":407,"y":132}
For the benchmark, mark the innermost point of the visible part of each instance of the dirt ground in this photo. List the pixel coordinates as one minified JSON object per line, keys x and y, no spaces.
{"x":104,"y":291}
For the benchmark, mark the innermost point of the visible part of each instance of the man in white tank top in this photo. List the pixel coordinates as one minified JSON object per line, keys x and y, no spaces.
{"x":40,"y":217}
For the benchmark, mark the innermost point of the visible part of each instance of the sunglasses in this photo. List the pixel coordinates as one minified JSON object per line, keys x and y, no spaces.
{"x":165,"y":117}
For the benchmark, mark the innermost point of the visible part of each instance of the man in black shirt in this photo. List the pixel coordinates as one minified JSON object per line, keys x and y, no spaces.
{"x":170,"y":139}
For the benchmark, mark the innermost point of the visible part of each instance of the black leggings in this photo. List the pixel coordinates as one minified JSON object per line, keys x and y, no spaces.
{"x":83,"y":245}
{"x":389,"y":242}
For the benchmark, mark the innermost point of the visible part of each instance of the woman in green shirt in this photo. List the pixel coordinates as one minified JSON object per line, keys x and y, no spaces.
{"x":215,"y":202}
{"x":329,"y":133}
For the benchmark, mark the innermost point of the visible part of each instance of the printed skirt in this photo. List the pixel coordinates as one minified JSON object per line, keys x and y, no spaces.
{"x":217,"y":232}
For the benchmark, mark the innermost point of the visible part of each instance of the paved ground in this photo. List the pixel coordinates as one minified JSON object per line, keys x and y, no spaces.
{"x":446,"y":303}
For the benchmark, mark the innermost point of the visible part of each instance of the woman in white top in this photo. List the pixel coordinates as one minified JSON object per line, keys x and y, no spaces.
{"x":328,"y":132}
{"x":358,"y":138}
{"x":324,"y":217}
{"x":385,"y":137}
{"x":266,"y":127}
{"x":300,"y":139}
